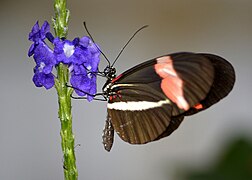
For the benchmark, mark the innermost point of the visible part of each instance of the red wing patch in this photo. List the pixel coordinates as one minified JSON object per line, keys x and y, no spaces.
{"x":171,"y":83}
{"x":198,"y":106}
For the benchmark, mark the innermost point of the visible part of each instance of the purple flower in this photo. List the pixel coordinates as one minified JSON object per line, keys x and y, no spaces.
{"x":43,"y":56}
{"x":39,"y":34}
{"x":83,"y":81}
{"x":81,"y":56}
{"x":45,"y":62}
{"x":41,"y":79}
{"x":67,"y":51}
{"x":92,"y":59}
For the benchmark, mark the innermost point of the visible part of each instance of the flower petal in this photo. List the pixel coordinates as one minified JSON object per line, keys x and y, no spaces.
{"x":34,"y":35}
{"x":45,"y":28}
{"x":31,"y":50}
{"x":40,"y":79}
{"x":37,"y":80}
{"x":84,"y":41}
{"x":48,"y":81}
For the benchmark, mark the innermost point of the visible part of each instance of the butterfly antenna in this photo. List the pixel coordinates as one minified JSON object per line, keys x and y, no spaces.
{"x":85,"y":26}
{"x":127,"y":44}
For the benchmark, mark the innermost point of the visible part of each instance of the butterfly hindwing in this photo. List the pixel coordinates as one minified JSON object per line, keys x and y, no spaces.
{"x":174,"y":124}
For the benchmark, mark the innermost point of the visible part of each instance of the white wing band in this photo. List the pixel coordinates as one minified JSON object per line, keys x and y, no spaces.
{"x":136,"y":105}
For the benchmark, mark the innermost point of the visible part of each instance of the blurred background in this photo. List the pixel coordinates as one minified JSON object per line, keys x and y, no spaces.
{"x":203,"y":146}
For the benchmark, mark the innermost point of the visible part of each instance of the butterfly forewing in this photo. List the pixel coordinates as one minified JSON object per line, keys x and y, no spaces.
{"x":224,"y":79}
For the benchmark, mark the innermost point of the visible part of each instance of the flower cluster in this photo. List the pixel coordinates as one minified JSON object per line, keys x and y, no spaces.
{"x":81,"y":55}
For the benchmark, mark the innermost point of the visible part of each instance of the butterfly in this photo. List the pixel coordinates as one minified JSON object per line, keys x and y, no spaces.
{"x":149,"y":101}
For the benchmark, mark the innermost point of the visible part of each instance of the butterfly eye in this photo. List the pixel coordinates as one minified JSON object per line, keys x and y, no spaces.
{"x":113,"y":72}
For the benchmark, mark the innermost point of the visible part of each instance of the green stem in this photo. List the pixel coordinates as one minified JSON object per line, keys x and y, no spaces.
{"x":61,"y":19}
{"x":60,"y":23}
{"x":67,"y":137}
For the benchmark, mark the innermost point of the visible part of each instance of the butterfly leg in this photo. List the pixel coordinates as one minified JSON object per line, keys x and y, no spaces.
{"x":98,"y":99}
{"x":104,"y":98}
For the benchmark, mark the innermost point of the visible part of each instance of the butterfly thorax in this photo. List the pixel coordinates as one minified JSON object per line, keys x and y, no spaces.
{"x":110,"y":74}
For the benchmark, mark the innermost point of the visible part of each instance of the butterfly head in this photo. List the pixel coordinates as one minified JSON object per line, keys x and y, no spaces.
{"x":110,"y":73}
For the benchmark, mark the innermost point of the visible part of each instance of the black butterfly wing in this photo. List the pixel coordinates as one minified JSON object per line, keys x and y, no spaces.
{"x":147,"y":106}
